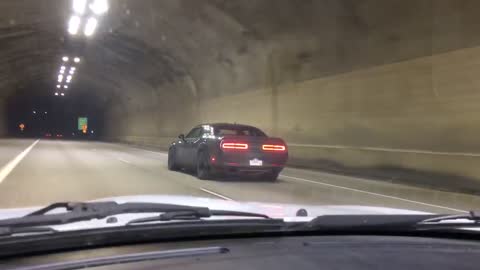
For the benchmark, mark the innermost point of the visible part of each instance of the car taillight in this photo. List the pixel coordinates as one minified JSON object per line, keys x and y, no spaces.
{"x":234,"y":146}
{"x":274,"y":147}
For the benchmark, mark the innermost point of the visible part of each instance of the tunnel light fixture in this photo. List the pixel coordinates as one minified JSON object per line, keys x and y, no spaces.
{"x":60,"y":78}
{"x":34,"y":112}
{"x":62,"y":71}
{"x":62,"y":94}
{"x":76,"y":59}
{"x":99,"y":7}
{"x":65,"y":86}
{"x":62,"y":68}
{"x":69,"y":77}
{"x":79,"y":6}
{"x":65,"y":59}
{"x":74,"y":25}
{"x":90,"y":26}
{"x":56,"y":93}
{"x":72,"y":71}
{"x":59,"y":86}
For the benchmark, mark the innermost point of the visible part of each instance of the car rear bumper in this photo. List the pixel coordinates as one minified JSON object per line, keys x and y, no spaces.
{"x":242,"y":162}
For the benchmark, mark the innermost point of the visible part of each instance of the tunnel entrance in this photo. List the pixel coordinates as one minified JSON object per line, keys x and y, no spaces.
{"x":43,"y":114}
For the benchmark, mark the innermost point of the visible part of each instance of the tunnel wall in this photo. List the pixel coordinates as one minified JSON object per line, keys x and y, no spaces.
{"x":3,"y":120}
{"x":372,"y":87}
{"x":420,"y":115}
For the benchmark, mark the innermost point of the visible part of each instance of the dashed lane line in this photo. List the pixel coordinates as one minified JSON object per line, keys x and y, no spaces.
{"x":216,"y":194}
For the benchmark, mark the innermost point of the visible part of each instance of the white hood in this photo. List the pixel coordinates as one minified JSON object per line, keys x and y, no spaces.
{"x":284,"y":211}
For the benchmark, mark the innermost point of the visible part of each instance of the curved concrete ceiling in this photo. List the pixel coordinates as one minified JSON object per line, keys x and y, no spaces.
{"x":213,"y":47}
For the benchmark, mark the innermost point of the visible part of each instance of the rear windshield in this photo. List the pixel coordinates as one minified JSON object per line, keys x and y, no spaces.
{"x":238,"y":131}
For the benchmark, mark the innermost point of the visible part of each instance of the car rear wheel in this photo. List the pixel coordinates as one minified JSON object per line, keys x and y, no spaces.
{"x":172,"y":159}
{"x":271,"y":176}
{"x":204,"y":170}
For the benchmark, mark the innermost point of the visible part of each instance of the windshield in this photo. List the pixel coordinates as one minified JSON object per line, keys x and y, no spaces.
{"x":281,"y":108}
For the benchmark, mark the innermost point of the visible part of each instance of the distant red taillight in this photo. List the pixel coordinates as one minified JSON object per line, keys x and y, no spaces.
{"x":274,"y":147}
{"x":234,"y":146}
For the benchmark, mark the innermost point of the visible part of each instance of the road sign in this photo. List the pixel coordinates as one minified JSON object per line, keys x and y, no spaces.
{"x":82,"y":121}
{"x":22,"y":126}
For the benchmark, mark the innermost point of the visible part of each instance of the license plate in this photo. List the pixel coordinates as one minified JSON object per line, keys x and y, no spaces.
{"x":256,"y":162}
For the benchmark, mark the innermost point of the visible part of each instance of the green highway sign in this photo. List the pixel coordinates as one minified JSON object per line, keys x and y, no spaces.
{"x":82,"y":121}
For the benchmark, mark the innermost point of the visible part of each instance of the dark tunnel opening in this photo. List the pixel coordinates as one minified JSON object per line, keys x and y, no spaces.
{"x":42,"y":113}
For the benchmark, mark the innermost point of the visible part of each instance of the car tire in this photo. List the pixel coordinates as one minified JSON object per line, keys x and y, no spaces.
{"x":271,"y":176}
{"x":172,"y":159}
{"x":204,"y":170}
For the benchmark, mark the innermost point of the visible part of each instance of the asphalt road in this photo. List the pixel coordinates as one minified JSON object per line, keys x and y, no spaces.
{"x":36,"y":173}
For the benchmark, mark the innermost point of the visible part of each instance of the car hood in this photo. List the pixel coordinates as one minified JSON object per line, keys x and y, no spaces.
{"x":288,"y":212}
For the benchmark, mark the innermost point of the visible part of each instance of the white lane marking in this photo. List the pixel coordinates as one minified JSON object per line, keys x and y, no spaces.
{"x":7,"y":169}
{"x":163,"y":153}
{"x":216,"y":194}
{"x":373,"y":193}
{"x":124,"y":160}
{"x":381,"y":149}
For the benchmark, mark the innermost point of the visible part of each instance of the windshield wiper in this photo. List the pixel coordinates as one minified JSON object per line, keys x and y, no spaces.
{"x":9,"y":231}
{"x":472,"y":216}
{"x":192,"y":215}
{"x":391,"y":222}
{"x":76,"y":212}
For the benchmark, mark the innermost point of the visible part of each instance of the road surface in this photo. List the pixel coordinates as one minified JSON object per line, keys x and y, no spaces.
{"x":39,"y":172}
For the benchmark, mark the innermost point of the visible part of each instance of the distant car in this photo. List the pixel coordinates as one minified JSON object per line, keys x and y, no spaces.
{"x":48,"y":135}
{"x":218,"y":149}
{"x":59,"y":136}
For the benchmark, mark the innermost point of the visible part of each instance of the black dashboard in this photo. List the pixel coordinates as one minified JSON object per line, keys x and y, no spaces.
{"x":312,"y":252}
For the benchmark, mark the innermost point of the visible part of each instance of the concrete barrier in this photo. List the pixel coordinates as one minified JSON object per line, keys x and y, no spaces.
{"x":450,"y":171}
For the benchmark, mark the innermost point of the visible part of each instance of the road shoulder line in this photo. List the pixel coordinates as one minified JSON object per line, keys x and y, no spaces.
{"x":7,"y":169}
{"x":372,"y":193}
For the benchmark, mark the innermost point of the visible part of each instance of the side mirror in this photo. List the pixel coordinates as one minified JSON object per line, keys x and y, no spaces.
{"x":181,"y":137}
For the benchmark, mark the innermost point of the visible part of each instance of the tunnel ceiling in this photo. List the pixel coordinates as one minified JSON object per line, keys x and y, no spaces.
{"x":215,"y":47}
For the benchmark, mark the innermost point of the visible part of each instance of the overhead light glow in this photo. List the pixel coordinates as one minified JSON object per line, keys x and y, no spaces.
{"x":63,"y":94}
{"x":72,"y":71}
{"x":74,"y":25}
{"x":65,"y":86}
{"x":90,"y":26}
{"x":79,"y":6}
{"x":73,"y":68}
{"x":62,"y":71}
{"x":99,"y":7}
{"x":69,"y":77}
{"x":56,"y":94}
{"x":59,"y":86}
{"x":76,"y":60}
{"x":65,"y":59}
{"x":60,"y":78}
{"x":62,"y":67}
